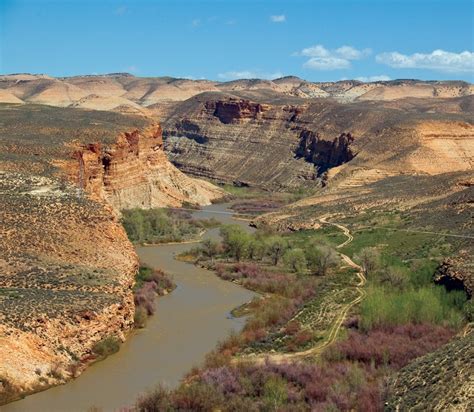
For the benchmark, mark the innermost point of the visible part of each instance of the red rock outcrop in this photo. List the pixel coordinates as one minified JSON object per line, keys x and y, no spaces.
{"x":135,"y":172}
{"x":236,"y":110}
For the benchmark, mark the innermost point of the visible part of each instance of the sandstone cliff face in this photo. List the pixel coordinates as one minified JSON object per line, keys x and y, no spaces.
{"x":278,"y":145}
{"x":135,"y":172}
{"x":236,"y":110}
{"x":66,"y":265}
{"x":323,"y":154}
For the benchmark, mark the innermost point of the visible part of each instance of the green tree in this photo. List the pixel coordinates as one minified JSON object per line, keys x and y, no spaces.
{"x":236,"y":241}
{"x":394,"y":277}
{"x":256,"y":249}
{"x":320,"y":258}
{"x":276,"y":247}
{"x":295,"y":260}
{"x":369,"y":259}
{"x":209,"y":248}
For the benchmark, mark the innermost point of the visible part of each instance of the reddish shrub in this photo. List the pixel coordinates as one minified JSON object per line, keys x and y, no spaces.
{"x":395,"y":346}
{"x":224,"y":378}
{"x":302,"y":337}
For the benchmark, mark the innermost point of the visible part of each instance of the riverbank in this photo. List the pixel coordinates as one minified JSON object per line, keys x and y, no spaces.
{"x":188,"y":323}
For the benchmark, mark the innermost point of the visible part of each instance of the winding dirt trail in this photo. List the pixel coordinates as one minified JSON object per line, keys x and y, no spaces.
{"x":316,"y":350}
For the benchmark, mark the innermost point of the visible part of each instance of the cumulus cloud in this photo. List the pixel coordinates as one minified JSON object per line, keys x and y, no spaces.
{"x":438,"y":60}
{"x":249,"y":74}
{"x":327,"y":63}
{"x":321,"y":58}
{"x":280,"y":18}
{"x":379,"y":78}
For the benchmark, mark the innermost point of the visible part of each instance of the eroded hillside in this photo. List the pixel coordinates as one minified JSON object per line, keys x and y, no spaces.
{"x":282,"y":145}
{"x":125,"y":93}
{"x":66,"y":265}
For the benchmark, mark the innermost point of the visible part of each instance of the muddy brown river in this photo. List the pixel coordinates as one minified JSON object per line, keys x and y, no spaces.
{"x":188,"y":323}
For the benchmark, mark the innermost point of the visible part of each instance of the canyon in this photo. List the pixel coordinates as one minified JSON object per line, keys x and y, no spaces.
{"x":67,"y":267}
{"x":78,"y":150}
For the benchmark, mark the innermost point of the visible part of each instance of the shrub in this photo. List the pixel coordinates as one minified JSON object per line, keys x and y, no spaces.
{"x":106,"y":346}
{"x":369,"y":259}
{"x":235,"y":240}
{"x":140,"y":317}
{"x":197,"y":396}
{"x":159,"y":225}
{"x":145,"y":297}
{"x":295,"y":260}
{"x":275,"y":393}
{"x":276,"y":247}
{"x":256,"y":249}
{"x":394,"y":277}
{"x":223,"y":378}
{"x":210,"y":248}
{"x":426,"y":305}
{"x":157,"y":400}
{"x":320,"y":258}
{"x":394,"y":346}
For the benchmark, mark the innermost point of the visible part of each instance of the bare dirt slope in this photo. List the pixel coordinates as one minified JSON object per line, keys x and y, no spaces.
{"x":126,"y":93}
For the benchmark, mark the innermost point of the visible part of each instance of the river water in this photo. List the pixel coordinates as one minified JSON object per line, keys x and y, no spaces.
{"x":187,"y":324}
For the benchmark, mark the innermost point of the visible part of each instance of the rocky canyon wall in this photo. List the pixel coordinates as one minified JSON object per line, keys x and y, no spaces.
{"x":66,"y":265}
{"x":134,"y":172}
{"x":280,"y":145}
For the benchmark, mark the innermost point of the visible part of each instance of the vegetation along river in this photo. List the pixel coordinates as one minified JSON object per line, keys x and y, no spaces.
{"x":188,"y":323}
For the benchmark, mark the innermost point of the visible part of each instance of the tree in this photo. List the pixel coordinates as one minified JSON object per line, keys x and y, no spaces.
{"x":209,"y":248}
{"x":394,"y":277}
{"x":256,"y":249}
{"x":295,"y":260}
{"x":369,"y":259}
{"x":236,"y":241}
{"x":320,"y":258}
{"x":276,"y":247}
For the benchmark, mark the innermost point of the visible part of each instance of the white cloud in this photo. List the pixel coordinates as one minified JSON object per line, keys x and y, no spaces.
{"x":280,"y":18}
{"x":249,"y":74}
{"x":351,"y":53}
{"x":368,"y":79}
{"x":438,"y":60}
{"x":327,"y":63}
{"x":314,"y":51}
{"x":322,"y":58}
{"x":196,"y":23}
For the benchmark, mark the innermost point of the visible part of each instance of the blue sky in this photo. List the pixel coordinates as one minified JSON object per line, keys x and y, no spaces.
{"x":228,"y":39}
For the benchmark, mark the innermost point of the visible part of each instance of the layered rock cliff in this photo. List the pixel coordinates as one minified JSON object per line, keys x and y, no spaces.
{"x":66,"y":265}
{"x":135,"y":172}
{"x":283,"y":144}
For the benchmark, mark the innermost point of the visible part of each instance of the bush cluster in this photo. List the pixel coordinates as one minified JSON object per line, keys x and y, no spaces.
{"x":149,"y":283}
{"x":289,"y":387}
{"x":268,"y":248}
{"x":160,"y":225}
{"x":106,"y":346}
